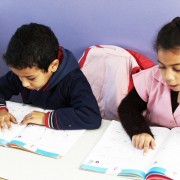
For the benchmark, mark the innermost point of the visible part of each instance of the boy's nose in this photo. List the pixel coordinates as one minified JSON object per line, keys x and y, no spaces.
{"x":25,"y":83}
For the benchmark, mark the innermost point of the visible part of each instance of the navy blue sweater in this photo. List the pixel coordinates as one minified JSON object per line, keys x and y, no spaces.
{"x":68,"y":93}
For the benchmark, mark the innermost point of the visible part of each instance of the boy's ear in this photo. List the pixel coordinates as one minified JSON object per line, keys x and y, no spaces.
{"x":54,"y":65}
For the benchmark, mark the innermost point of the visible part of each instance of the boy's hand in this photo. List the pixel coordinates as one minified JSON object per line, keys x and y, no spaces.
{"x":6,"y":118}
{"x":143,"y":141}
{"x":34,"y":117}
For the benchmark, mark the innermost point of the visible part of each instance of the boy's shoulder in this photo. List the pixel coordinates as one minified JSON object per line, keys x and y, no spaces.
{"x":76,"y":74}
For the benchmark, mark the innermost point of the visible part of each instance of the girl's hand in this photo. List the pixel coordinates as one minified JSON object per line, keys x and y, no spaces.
{"x":143,"y":141}
{"x":34,"y":117}
{"x":6,"y":118}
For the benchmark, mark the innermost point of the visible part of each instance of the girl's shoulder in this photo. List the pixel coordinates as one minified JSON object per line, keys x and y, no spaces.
{"x":152,"y":73}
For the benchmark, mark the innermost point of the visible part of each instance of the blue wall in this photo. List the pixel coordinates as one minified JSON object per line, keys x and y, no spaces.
{"x":79,"y":24}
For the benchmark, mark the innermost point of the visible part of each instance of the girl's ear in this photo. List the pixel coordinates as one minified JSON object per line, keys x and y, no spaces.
{"x":54,"y":65}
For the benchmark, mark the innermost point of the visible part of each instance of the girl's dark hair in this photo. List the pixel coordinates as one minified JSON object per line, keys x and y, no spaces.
{"x":32,"y":45}
{"x":169,"y":36}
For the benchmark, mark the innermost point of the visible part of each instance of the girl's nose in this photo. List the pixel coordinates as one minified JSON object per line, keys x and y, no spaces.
{"x":169,"y":75}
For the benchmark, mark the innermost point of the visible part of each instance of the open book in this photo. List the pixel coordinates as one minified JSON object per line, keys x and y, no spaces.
{"x":36,"y":138}
{"x":114,"y":154}
{"x":2,"y":178}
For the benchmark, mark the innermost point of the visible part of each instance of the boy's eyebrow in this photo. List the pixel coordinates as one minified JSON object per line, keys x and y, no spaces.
{"x":170,"y":65}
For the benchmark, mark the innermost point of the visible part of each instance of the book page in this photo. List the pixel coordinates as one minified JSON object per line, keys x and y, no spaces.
{"x":168,"y":160}
{"x":7,"y":134}
{"x":18,"y":110}
{"x":114,"y":154}
{"x":36,"y":138}
{"x":46,"y":141}
{"x":3,"y":178}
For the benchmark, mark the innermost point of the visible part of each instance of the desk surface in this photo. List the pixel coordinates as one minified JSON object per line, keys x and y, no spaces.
{"x":21,"y":165}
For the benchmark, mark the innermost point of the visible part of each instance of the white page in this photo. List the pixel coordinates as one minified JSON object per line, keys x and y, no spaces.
{"x":37,"y":138}
{"x":7,"y":134}
{"x":169,"y":156}
{"x":115,"y":151}
{"x":18,"y":110}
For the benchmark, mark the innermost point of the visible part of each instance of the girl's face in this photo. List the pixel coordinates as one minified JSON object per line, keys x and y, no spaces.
{"x":169,"y":65}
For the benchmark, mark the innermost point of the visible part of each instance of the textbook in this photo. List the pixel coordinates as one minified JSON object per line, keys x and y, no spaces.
{"x":35,"y":138}
{"x":2,"y":178}
{"x":114,"y":154}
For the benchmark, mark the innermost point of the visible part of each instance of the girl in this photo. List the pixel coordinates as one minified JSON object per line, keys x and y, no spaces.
{"x":156,"y":90}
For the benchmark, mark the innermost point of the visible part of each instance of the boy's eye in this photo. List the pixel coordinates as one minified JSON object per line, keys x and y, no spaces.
{"x":31,"y":79}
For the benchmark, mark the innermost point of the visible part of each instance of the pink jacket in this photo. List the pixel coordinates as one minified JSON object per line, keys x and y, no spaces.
{"x":109,"y":71}
{"x":154,"y":90}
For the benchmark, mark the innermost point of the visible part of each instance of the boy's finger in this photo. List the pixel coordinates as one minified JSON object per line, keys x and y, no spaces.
{"x":153,"y":144}
{"x":25,"y":121}
{"x":22,"y":122}
{"x":2,"y":125}
{"x":8,"y":124}
{"x":13,"y":119}
{"x":7,"y":121}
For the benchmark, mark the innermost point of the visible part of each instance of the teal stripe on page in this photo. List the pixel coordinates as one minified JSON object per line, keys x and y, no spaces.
{"x":19,"y":143}
{"x":39,"y":151}
{"x":3,"y":142}
{"x":125,"y":172}
{"x":45,"y":153}
{"x":158,"y":170}
{"x":93,"y":168}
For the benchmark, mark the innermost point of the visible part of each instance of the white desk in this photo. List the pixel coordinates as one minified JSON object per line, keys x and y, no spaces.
{"x":17,"y":164}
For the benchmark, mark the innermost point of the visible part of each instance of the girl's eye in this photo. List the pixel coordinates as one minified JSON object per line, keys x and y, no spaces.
{"x":177,"y":70}
{"x":161,"y":67}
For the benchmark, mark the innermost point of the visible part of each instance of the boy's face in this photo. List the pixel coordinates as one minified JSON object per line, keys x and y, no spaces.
{"x":34,"y":78}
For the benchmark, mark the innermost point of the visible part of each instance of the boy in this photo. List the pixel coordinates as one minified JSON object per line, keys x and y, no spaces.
{"x":46,"y":76}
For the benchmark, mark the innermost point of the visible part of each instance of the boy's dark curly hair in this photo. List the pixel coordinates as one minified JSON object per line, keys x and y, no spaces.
{"x":32,"y":45}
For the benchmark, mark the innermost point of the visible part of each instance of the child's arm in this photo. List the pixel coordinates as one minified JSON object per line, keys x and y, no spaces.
{"x":9,"y":85}
{"x":81,"y":110}
{"x":130,"y":112}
